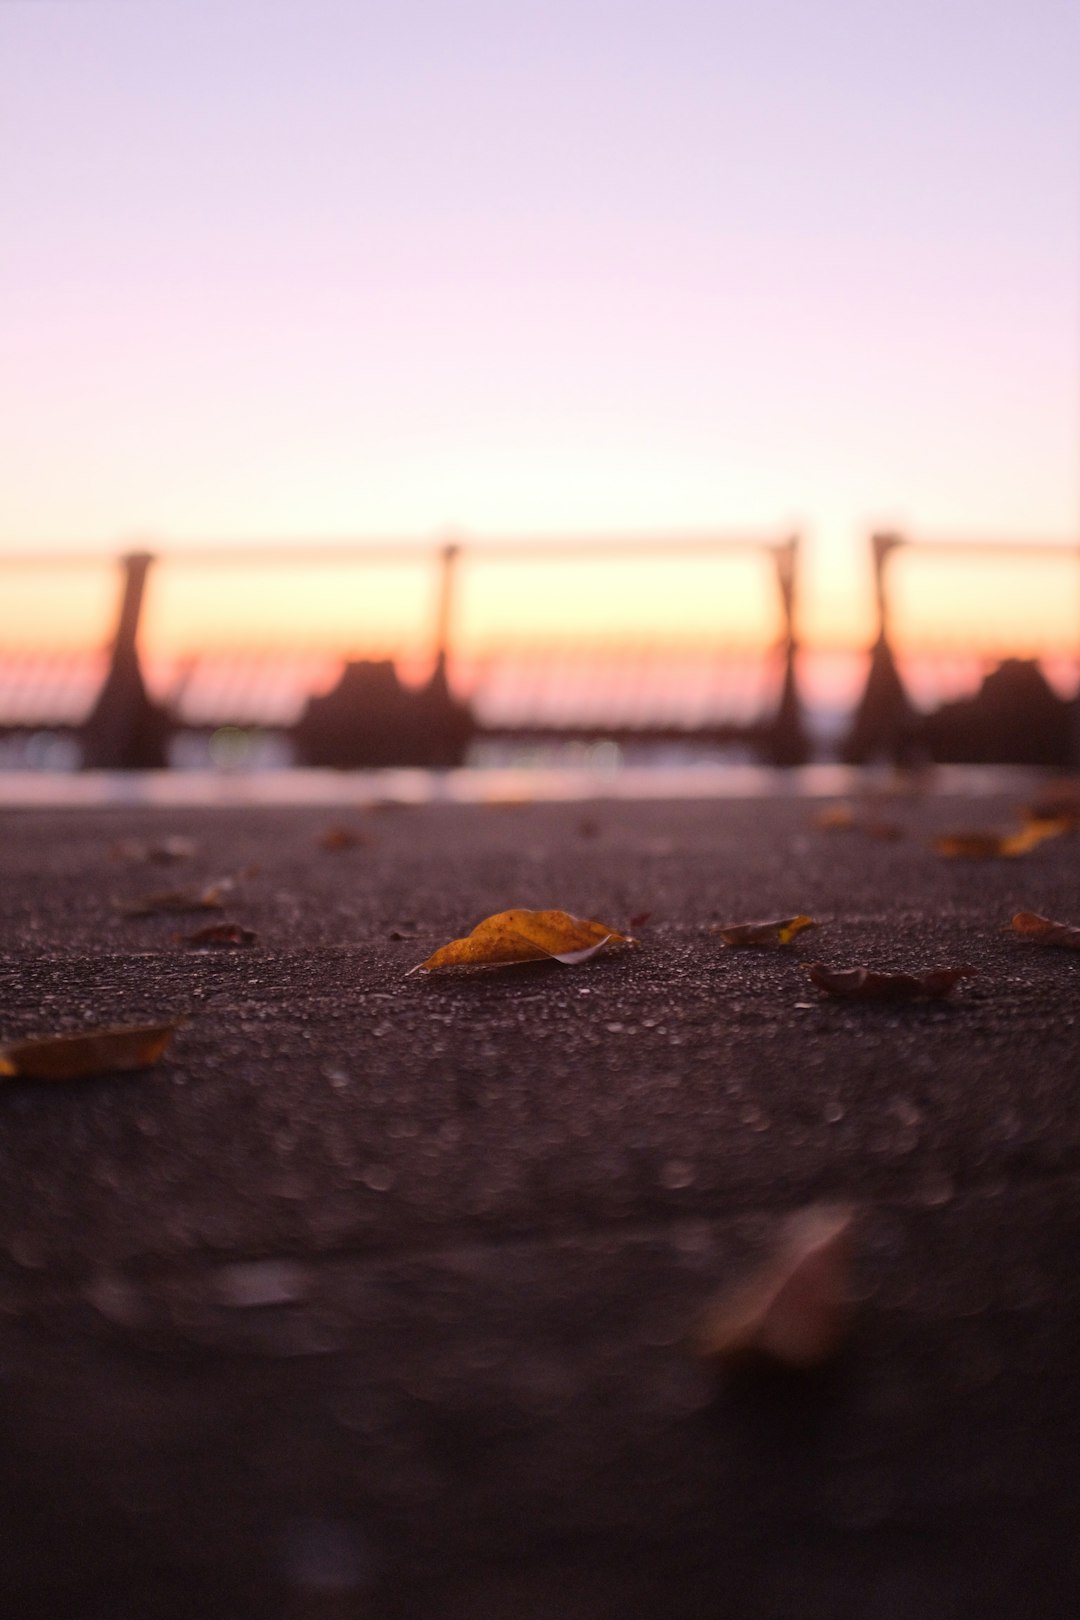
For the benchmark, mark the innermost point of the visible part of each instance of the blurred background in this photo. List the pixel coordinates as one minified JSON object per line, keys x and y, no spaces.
{"x":480,"y":383}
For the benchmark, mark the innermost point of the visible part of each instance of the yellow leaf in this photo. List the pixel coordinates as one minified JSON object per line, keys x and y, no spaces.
{"x":766,"y":933}
{"x":76,"y":1057}
{"x":981,"y":846}
{"x":525,"y":936}
{"x":796,"y":1309}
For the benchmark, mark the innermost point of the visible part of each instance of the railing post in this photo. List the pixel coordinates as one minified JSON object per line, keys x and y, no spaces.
{"x":125,"y":730}
{"x":884,"y":720}
{"x":448,"y":558}
{"x":786,"y":741}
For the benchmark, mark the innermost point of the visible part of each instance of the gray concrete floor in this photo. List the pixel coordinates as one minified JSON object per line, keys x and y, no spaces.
{"x":372,"y":1300}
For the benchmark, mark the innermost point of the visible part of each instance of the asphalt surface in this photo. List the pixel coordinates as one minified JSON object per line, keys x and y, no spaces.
{"x":373,"y":1298}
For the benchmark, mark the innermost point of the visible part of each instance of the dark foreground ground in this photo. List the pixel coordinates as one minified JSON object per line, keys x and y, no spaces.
{"x":371,"y":1301}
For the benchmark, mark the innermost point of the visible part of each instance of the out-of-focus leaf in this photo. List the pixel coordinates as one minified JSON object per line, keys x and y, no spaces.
{"x":335,"y":839}
{"x":865,"y":984}
{"x":510,"y":937}
{"x":771,"y":934}
{"x":843,"y":817}
{"x":1059,"y":802}
{"x":639,"y":919}
{"x":1042,"y":931}
{"x":795,"y":1311}
{"x":835,"y":817}
{"x":98,"y":1051}
{"x":147,"y":905}
{"x":982,"y":846}
{"x":163,"y":852}
{"x":218,"y":935}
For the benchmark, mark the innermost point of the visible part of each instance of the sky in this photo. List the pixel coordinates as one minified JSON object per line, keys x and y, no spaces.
{"x":285,"y":268}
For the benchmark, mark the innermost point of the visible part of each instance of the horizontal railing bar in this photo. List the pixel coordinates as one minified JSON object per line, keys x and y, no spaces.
{"x":953,"y":546}
{"x":331,"y":551}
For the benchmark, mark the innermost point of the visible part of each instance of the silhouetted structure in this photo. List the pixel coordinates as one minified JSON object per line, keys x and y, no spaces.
{"x":370,"y":719}
{"x":1016,"y":718}
{"x":784,"y":741}
{"x":125,"y":730}
{"x":885,"y":723}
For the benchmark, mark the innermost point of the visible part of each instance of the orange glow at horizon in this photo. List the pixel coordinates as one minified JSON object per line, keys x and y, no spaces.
{"x":987,"y":606}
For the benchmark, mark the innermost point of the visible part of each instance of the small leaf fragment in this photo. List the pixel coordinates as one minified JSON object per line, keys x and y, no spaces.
{"x":77,"y":1057}
{"x":838,"y":817}
{"x":866,"y":984}
{"x":218,"y":934}
{"x":1043,"y":931}
{"x":335,"y":839}
{"x":510,"y":937}
{"x":177,"y":900}
{"x":796,"y":1310}
{"x":769,"y":934}
{"x":163,"y":852}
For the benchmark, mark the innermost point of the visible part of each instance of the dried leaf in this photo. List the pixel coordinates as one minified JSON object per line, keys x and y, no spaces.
{"x":218,"y":934}
{"x":339,"y":838}
{"x":865,"y":984}
{"x":982,"y":846}
{"x":1060,"y":802}
{"x":76,"y":1057}
{"x":835,"y":817}
{"x":208,"y":899}
{"x":526,"y":936}
{"x":842,"y":817}
{"x":1042,"y":931}
{"x":162,"y":853}
{"x":796,"y":1310}
{"x":770,"y":934}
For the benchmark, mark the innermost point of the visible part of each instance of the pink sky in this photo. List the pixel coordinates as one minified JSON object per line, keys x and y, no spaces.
{"x":276,"y":269}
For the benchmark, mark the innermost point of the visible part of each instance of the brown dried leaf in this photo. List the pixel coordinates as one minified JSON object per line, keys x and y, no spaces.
{"x":218,"y":934}
{"x":982,"y":846}
{"x":865,"y":984}
{"x":510,"y":937}
{"x":162,"y":853}
{"x":208,"y":899}
{"x":1059,"y":802}
{"x":339,"y":838}
{"x":770,"y":934}
{"x":796,"y":1309}
{"x":1042,"y":931}
{"x":835,"y":817}
{"x":77,"y":1057}
{"x":843,"y":817}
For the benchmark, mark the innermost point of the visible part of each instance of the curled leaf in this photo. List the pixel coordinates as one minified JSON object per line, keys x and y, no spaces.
{"x":148,"y":905}
{"x":865,"y":984}
{"x":77,"y":1057}
{"x":981,"y":846}
{"x":795,"y":1310}
{"x":766,"y":933}
{"x":1042,"y":931}
{"x":510,"y":937}
{"x":218,"y":934}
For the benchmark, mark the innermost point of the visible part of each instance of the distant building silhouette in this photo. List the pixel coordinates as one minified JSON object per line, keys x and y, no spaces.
{"x":1016,"y":718}
{"x":370,"y":719}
